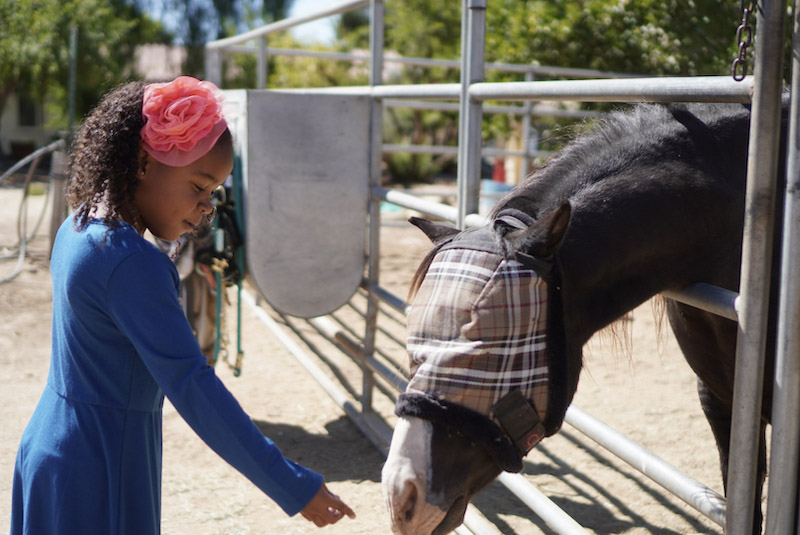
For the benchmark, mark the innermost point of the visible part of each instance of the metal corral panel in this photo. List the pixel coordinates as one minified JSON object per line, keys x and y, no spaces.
{"x":306,"y":166}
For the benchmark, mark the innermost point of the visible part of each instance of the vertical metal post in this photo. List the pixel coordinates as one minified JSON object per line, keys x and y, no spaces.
{"x":213,"y":65}
{"x":526,"y":133}
{"x":58,"y":190}
{"x":471,"y":116}
{"x":782,"y":507}
{"x":261,"y":83}
{"x":462,"y":110}
{"x":376,"y":145}
{"x":757,"y":251}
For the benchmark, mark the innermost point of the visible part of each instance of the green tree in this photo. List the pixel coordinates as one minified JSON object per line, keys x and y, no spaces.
{"x":421,"y":29}
{"x":34,"y":49}
{"x":293,"y":71}
{"x":647,"y":37}
{"x":651,"y":37}
{"x":201,"y":21}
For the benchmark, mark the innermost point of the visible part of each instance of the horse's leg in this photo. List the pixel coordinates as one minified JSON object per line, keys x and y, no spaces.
{"x":709,"y":344}
{"x":718,"y":415}
{"x":719,"y":418}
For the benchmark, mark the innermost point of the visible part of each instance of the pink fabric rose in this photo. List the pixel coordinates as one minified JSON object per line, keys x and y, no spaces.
{"x":183,"y":120}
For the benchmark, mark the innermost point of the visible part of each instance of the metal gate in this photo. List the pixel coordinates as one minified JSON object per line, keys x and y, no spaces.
{"x":748,"y":308}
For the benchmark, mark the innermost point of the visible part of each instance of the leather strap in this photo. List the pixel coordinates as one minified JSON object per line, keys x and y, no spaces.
{"x":519,"y":420}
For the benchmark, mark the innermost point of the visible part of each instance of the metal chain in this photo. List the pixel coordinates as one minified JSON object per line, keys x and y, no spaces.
{"x":744,"y":37}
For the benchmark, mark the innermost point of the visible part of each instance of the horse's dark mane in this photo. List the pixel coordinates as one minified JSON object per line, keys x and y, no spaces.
{"x":647,"y":132}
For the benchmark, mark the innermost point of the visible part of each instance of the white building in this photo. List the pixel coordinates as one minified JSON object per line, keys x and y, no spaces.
{"x":23,"y":127}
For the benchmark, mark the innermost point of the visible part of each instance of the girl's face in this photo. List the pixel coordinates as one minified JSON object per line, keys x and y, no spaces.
{"x":173,"y":200}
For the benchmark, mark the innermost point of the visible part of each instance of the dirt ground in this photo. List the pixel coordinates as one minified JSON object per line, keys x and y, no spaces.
{"x":646,"y":391}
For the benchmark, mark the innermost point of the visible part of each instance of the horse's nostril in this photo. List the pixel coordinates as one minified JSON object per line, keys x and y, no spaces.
{"x":409,"y":501}
{"x":408,"y":514}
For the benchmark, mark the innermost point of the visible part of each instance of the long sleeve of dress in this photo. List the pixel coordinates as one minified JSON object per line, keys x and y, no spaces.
{"x":142,"y":299}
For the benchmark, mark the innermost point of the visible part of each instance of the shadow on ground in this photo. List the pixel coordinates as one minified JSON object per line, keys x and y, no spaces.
{"x":342,"y":454}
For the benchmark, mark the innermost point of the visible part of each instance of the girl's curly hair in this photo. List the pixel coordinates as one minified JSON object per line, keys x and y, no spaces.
{"x":105,"y":160}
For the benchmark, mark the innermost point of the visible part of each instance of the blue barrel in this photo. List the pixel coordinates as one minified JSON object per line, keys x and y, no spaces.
{"x":491,"y":192}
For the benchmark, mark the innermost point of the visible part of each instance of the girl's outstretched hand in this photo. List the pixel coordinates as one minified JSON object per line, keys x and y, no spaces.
{"x":326,"y":508}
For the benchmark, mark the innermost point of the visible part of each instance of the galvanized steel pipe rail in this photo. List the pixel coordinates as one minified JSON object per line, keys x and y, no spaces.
{"x":285,"y":24}
{"x":655,"y":89}
{"x":783,"y":485}
{"x":651,"y":89}
{"x":691,"y":491}
{"x":756,"y":268}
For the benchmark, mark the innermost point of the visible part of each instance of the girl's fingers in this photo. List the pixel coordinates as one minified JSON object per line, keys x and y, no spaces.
{"x":345,"y":509}
{"x":326,"y":508}
{"x":339,"y":507}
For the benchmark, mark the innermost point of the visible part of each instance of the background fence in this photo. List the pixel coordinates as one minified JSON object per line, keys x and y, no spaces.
{"x":380,"y":365}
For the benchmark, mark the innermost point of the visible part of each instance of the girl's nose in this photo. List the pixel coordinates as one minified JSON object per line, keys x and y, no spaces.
{"x":206,"y":207}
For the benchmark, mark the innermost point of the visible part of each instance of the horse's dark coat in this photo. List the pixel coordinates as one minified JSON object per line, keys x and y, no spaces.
{"x":657,"y":203}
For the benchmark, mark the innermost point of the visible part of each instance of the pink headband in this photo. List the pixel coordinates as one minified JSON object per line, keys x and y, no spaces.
{"x":183,"y":120}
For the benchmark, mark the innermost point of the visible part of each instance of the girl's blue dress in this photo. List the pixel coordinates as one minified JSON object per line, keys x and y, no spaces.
{"x":89,"y":461}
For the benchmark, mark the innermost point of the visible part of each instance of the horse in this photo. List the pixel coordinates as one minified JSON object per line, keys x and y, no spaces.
{"x":651,"y":200}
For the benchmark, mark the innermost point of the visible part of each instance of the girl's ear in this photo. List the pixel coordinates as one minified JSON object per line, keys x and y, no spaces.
{"x":144,"y":160}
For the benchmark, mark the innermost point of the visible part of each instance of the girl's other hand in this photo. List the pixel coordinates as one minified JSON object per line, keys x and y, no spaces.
{"x":326,"y":508}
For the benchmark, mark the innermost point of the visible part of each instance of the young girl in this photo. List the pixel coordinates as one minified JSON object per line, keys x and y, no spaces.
{"x":89,"y":462}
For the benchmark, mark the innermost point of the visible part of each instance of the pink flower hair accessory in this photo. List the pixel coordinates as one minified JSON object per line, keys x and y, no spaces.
{"x":183,"y":120}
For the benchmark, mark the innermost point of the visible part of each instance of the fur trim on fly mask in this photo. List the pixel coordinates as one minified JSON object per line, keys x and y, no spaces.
{"x":476,"y":341}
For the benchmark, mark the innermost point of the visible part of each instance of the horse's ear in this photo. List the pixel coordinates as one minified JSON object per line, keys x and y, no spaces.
{"x":436,"y":232}
{"x":544,"y":237}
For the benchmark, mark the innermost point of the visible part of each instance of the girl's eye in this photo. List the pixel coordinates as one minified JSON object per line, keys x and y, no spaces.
{"x":197,"y":188}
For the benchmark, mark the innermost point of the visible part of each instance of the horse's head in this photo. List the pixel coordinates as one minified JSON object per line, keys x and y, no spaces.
{"x":480,"y":383}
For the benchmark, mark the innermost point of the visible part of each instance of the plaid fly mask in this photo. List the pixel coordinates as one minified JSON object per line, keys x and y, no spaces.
{"x":477,"y":343}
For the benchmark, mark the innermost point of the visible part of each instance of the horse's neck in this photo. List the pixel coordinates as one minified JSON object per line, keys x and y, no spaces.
{"x":634,"y":244}
{"x":655,"y":207}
